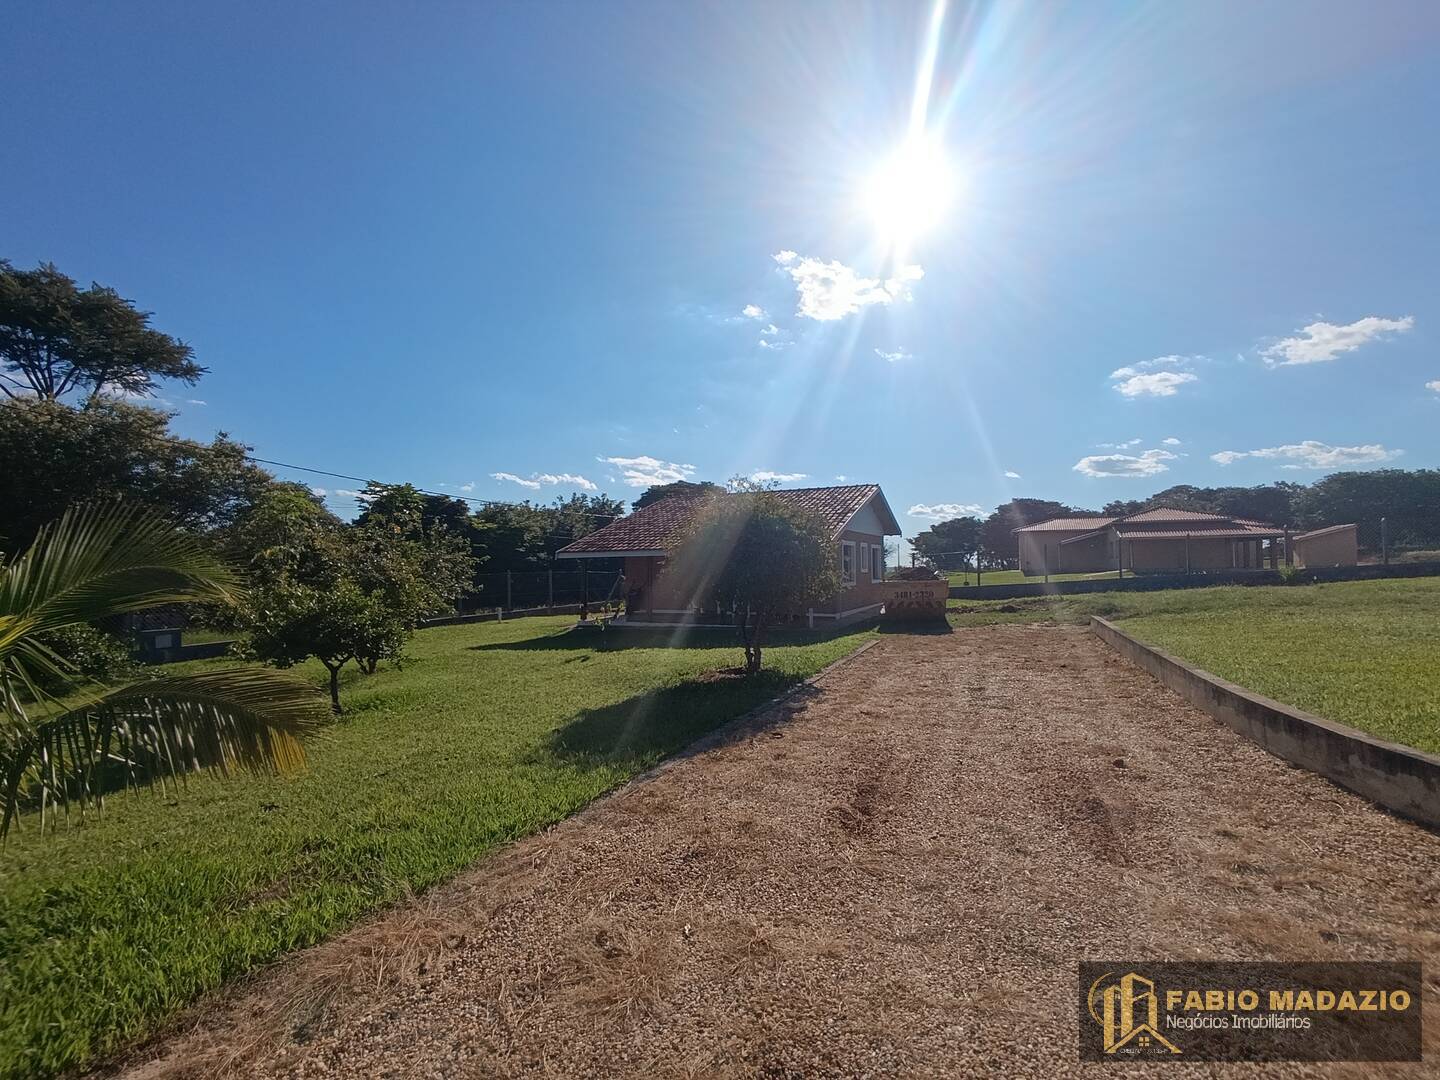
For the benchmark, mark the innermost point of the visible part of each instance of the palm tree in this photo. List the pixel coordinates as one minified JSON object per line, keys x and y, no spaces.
{"x":68,"y":746}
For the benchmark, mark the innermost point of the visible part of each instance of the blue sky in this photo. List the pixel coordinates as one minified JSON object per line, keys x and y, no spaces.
{"x":1183,"y":243}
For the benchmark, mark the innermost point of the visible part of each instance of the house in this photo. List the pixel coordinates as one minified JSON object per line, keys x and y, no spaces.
{"x":857,"y":514}
{"x":1335,"y":545}
{"x":1162,"y":539}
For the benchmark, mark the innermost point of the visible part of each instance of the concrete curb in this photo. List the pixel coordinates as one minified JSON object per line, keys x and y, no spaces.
{"x":1396,"y":777}
{"x":711,"y":739}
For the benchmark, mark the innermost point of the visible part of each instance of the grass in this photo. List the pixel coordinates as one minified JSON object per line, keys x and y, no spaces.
{"x":1015,"y":577}
{"x":1359,"y":652}
{"x":496,"y":730}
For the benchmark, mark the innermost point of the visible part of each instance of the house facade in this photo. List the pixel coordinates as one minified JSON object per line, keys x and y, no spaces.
{"x":1162,"y":540}
{"x":857,"y":514}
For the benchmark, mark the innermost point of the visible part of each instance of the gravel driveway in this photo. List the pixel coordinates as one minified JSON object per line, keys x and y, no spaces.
{"x":893,"y":876}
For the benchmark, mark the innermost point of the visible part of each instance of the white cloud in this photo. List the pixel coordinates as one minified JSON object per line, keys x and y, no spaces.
{"x":648,"y":471}
{"x":468,"y":487}
{"x":346,"y":493}
{"x":567,"y":478}
{"x":753,"y":311}
{"x":1154,"y":384}
{"x":1173,"y":362}
{"x":944,"y":511}
{"x":1322,"y":341}
{"x":832,"y":290}
{"x":1120,"y":445}
{"x":765,"y":476}
{"x":1312,"y":455}
{"x":1171,"y":441}
{"x":766,"y":343}
{"x":195,"y":401}
{"x":533,"y":485}
{"x":1011,"y":474}
{"x":770,"y":331}
{"x":841,"y":478}
{"x":537,"y":480}
{"x":1146,"y":463}
{"x":1433,"y":385}
{"x":898,"y":354}
{"x":320,"y":491}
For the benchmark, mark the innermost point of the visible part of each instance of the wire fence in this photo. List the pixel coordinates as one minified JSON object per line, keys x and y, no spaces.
{"x":526,"y":589}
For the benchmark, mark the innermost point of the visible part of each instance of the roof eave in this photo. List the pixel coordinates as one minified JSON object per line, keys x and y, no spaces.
{"x":634,"y":553}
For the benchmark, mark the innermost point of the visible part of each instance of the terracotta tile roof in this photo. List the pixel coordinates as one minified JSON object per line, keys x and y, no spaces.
{"x":1221,"y":530}
{"x":655,"y":527}
{"x":1326,"y":531}
{"x":1166,"y":514}
{"x":1067,"y":524}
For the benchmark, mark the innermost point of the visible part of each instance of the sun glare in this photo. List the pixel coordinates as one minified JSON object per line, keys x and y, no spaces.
{"x":910,"y":192}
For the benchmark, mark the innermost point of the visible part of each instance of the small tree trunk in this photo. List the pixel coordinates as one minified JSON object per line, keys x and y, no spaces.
{"x":752,"y":658}
{"x":334,"y":685}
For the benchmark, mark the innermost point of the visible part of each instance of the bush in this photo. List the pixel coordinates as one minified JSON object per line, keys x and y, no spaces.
{"x":95,"y":655}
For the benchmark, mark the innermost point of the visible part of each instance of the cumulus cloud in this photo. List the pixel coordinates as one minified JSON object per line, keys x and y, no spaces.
{"x":776,"y":346}
{"x":509,"y":477}
{"x":535,"y":481}
{"x":1154,"y":384}
{"x":944,"y":511}
{"x":320,"y":491}
{"x":468,"y":487}
{"x":1120,"y":445}
{"x":346,"y":493}
{"x":765,"y":476}
{"x":898,"y":354}
{"x":1321,"y":341}
{"x":1433,"y":385}
{"x":753,"y":311}
{"x":1312,"y":455}
{"x":648,"y":471}
{"x":1171,"y":441}
{"x":1011,"y":474}
{"x":1146,"y":463}
{"x":831,"y":290}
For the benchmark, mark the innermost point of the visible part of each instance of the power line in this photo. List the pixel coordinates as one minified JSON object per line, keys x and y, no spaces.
{"x":423,"y":491}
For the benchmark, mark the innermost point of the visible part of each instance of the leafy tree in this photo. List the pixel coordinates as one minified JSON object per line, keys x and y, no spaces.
{"x":1263,"y":502}
{"x":1409,"y":500}
{"x":343,"y":592}
{"x":997,"y":539}
{"x":525,"y":536}
{"x":56,"y":337}
{"x":62,"y":739}
{"x":948,"y":544}
{"x":112,"y":449}
{"x":758,"y":557}
{"x":657,"y":492}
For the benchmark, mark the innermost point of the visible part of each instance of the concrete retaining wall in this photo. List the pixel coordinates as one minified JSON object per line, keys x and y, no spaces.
{"x":1154,"y":582}
{"x":1396,"y":777}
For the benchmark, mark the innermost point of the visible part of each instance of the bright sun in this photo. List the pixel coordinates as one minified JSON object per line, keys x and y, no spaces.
{"x":910,"y":192}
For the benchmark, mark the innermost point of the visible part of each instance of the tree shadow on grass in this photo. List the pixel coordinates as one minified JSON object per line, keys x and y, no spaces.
{"x":644,"y":729}
{"x":660,"y":637}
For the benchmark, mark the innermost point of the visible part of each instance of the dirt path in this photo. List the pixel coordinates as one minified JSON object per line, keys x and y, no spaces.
{"x":895,"y":878}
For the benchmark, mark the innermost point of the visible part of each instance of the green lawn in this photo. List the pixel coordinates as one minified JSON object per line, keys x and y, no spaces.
{"x":494,"y":731}
{"x":1364,"y":653}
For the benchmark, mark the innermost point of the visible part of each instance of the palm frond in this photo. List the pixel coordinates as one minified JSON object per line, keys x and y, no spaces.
{"x":157,"y":731}
{"x":105,"y":559}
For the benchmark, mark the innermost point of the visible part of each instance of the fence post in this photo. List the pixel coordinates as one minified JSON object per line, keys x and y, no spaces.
{"x":550,"y":588}
{"x":1187,"y":554}
{"x":977,"y":566}
{"x":508,"y":604}
{"x":1384,"y":542}
{"x":1289,"y":552}
{"x":810,"y":617}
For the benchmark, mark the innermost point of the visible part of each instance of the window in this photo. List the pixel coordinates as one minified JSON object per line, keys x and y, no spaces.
{"x":863,"y":563}
{"x":877,"y":563}
{"x":847,"y":561}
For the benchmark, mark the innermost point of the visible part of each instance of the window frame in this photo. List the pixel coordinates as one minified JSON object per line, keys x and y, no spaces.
{"x":877,"y":564}
{"x":847,"y":576}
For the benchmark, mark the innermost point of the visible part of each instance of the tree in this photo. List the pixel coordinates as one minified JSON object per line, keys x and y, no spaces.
{"x":343,"y":593}
{"x":758,"y":557}
{"x":1263,"y":502}
{"x":949,"y":544}
{"x":657,"y":492}
{"x":55,"y":338}
{"x":112,"y":449}
{"x":69,"y":745}
{"x":1408,"y":499}
{"x":997,"y":538}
